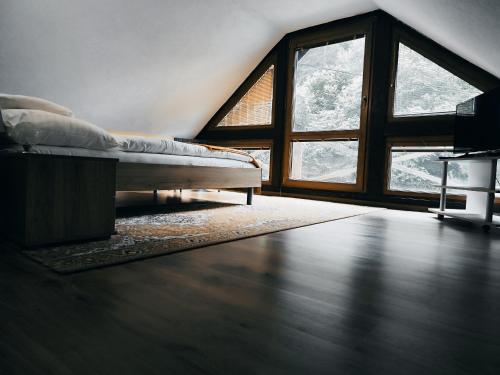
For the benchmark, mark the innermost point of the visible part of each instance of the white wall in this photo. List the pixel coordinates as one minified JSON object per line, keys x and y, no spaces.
{"x":166,"y":66}
{"x":470,"y":28}
{"x":152,"y":65}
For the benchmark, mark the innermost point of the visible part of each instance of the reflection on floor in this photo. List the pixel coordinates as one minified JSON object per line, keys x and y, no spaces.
{"x":390,"y":292}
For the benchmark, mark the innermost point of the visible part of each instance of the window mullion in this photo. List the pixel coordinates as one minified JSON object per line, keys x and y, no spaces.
{"x":325,"y":136}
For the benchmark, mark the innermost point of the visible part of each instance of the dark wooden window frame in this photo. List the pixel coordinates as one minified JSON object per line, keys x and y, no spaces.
{"x":316,"y":39}
{"x":268,"y":61}
{"x":381,"y":127}
{"x":429,"y":129}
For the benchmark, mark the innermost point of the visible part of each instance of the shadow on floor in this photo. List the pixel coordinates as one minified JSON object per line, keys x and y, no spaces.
{"x":170,"y":206}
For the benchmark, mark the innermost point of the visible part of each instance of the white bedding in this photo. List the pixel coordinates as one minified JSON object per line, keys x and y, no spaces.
{"x":46,"y":132}
{"x":171,"y":147}
{"x":221,"y":160}
{"x":35,"y":127}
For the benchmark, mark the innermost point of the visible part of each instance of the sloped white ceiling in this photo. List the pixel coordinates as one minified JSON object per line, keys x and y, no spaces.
{"x":470,"y":28}
{"x":166,"y":66}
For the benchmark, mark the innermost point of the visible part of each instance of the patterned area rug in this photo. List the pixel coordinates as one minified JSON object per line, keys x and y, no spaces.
{"x":190,"y":226}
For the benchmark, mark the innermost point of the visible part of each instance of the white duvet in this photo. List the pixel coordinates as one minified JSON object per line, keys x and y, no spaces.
{"x":129,"y":157}
{"x":171,"y":147}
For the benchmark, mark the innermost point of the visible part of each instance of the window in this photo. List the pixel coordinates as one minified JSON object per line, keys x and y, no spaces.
{"x":326,"y":127}
{"x":321,"y":114}
{"x":416,"y":169}
{"x":325,"y":161}
{"x":263,"y":155}
{"x":255,"y":108}
{"x":260,"y":149}
{"x":427,"y":84}
{"x":423,"y":87}
{"x":328,"y":85}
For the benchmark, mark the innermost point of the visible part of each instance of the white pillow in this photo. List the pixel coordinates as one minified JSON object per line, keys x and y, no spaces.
{"x":29,"y":102}
{"x":171,"y":147}
{"x":33,"y":127}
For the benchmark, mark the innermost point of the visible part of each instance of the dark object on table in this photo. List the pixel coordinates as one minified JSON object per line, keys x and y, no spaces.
{"x":477,"y":123}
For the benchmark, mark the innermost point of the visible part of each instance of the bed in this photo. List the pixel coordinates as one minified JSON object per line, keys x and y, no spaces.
{"x":141,"y":171}
{"x":60,"y":174}
{"x":53,"y":195}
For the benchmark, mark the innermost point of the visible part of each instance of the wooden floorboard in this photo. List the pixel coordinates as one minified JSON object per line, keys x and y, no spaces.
{"x":391,"y":292}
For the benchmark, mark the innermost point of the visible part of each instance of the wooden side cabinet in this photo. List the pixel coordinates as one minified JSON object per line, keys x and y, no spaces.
{"x":49,"y":199}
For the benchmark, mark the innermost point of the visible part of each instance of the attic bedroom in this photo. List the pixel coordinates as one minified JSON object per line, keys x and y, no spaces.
{"x":259,"y":187}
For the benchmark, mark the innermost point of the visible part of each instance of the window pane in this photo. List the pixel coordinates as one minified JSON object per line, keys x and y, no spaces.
{"x":328,"y":83}
{"x":263,"y":155}
{"x":327,"y":161}
{"x":423,"y":87}
{"x":416,"y":169}
{"x":256,"y":106}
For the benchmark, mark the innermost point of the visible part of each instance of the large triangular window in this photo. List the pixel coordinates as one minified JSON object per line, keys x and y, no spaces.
{"x":255,"y":108}
{"x":422,"y":87}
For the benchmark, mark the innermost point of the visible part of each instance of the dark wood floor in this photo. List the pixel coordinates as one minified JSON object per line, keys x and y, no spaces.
{"x":390,"y":292}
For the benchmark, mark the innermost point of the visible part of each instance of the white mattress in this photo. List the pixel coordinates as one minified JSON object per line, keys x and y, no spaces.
{"x":132,"y":157}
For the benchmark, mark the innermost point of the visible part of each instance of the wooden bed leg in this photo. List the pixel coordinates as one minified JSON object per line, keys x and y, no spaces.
{"x":249,"y":196}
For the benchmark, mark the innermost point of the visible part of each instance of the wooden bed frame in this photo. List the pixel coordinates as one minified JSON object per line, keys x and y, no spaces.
{"x":137,"y":177}
{"x":49,"y":199}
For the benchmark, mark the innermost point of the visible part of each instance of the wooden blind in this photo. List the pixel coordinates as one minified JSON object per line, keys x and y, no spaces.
{"x":256,"y":106}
